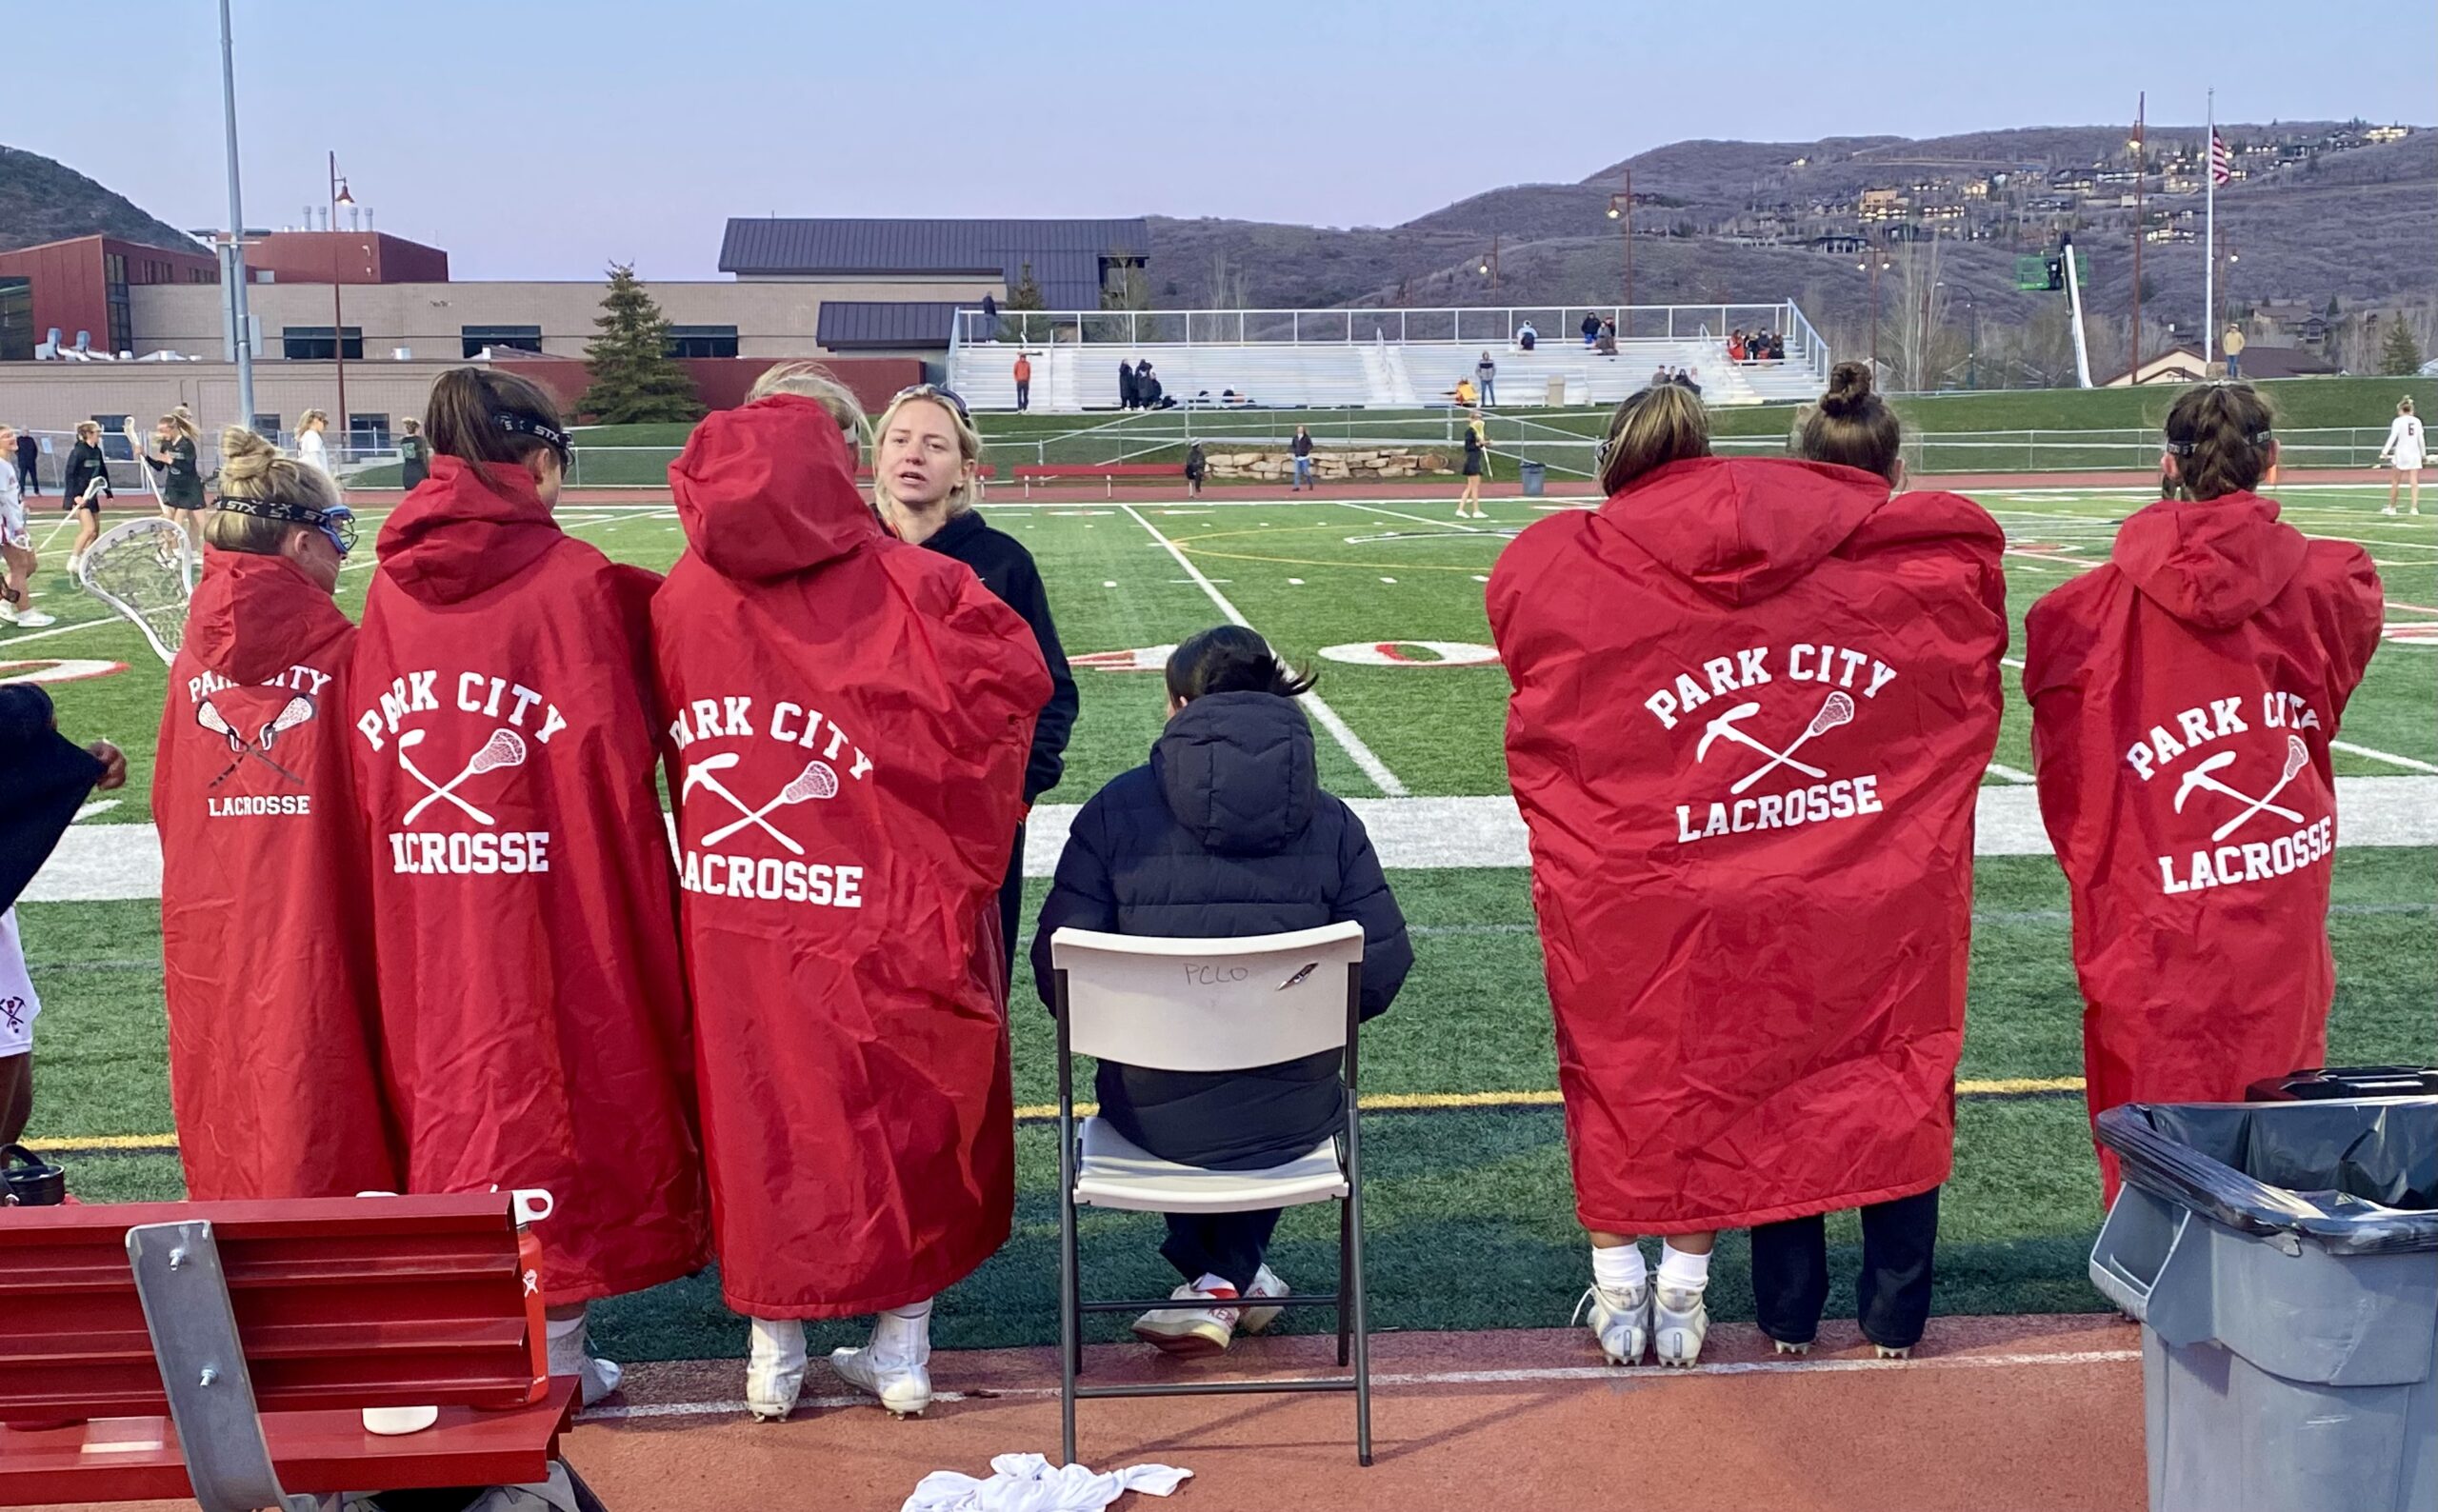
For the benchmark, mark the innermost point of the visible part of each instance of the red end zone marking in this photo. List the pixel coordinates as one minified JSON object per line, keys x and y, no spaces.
{"x":51,"y":670}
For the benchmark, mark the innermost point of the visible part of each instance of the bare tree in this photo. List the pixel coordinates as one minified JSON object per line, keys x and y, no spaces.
{"x":1227,"y":281}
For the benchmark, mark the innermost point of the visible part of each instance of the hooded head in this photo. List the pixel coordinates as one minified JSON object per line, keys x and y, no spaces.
{"x":2214,"y":564}
{"x":1743,"y":530}
{"x":769,"y":490}
{"x":1236,"y":771}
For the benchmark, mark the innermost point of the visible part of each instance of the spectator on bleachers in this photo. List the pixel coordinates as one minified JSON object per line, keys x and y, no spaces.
{"x":1127,"y":396}
{"x":1686,"y":378}
{"x":1606,"y":344}
{"x":1302,"y":448}
{"x":1148,"y":392}
{"x":1659,"y":376}
{"x":1485,"y":379}
{"x":1464,"y":393}
{"x":1591,"y":323}
{"x":1736,"y":346}
{"x":1023,"y":380}
{"x":1224,"y":832}
{"x":1526,"y":337}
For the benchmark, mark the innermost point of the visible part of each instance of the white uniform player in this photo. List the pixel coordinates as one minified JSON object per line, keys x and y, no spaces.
{"x":2406,"y":450}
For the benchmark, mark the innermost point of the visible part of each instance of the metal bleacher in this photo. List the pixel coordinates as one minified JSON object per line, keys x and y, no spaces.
{"x":1372,"y":359}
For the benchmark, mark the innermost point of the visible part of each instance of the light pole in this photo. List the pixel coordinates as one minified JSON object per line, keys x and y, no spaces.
{"x":1874,"y":262}
{"x":339,"y":196}
{"x":1621,"y":207}
{"x":234,"y":266}
{"x":1489,"y":265}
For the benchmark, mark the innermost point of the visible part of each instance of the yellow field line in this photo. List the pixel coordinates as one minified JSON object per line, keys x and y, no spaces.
{"x":1044,"y":1112}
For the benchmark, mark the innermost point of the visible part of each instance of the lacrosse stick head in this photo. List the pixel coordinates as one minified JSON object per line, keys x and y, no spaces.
{"x":2297,"y":754}
{"x":819,"y":780}
{"x":1838,"y":710}
{"x":144,"y":571}
{"x":209,"y":716}
{"x":505,"y":749}
{"x":293,"y":714}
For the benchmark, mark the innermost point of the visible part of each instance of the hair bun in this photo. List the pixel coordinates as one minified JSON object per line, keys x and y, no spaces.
{"x":1848,"y":391}
{"x":244,"y":457}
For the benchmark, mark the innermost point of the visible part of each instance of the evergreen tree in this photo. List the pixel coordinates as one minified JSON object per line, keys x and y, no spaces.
{"x":2399,"y":355}
{"x":634,"y":379}
{"x":1023,"y":294}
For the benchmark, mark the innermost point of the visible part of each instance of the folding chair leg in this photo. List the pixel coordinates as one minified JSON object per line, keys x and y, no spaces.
{"x":1070,"y":1341}
{"x":1344,"y":1271}
{"x":1362,"y":1316}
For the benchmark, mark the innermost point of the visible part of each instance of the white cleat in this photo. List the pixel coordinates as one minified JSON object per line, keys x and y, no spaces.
{"x":774,"y":1368}
{"x":1895,"y":1351}
{"x":1191,"y":1332}
{"x":903,"y":1382}
{"x":1620,"y":1321}
{"x":596,"y":1378}
{"x":1265,"y":1283}
{"x":1680,"y":1321}
{"x":1786,"y":1348}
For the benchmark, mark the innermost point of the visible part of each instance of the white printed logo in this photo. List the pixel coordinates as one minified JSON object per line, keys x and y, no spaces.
{"x":505,"y":749}
{"x":2203,"y":774}
{"x":1835,"y":710}
{"x":817,"y":780}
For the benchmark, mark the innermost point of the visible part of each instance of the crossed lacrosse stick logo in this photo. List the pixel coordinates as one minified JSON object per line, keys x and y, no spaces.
{"x":505,"y":749}
{"x":2297,"y":757}
{"x":295,"y":712}
{"x":818,"y":780}
{"x":1838,"y":710}
{"x":14,"y":1009}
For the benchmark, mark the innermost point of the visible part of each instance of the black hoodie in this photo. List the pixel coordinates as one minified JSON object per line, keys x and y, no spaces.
{"x":1225,"y":833}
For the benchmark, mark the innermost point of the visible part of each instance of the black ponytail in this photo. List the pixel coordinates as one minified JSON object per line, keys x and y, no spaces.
{"x":1231,"y":659}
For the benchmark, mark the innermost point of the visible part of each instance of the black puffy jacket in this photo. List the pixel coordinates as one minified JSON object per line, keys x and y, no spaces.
{"x":1225,"y":833}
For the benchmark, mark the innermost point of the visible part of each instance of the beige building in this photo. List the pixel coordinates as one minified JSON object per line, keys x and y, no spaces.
{"x":53,"y":396}
{"x":451,"y":322}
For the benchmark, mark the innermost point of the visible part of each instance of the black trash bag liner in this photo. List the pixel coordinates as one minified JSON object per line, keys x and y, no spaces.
{"x":2357,"y":1178}
{"x":2353,"y":1081}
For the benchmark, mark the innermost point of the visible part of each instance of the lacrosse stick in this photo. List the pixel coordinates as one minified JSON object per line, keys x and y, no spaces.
{"x":502,"y":750}
{"x":704,"y":773}
{"x":295,"y":712}
{"x":211,"y":719}
{"x":816,"y":781}
{"x":145,"y":573}
{"x":2297,"y":755}
{"x":1838,"y":710}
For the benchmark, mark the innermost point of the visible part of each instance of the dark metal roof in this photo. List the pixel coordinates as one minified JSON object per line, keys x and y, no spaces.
{"x":847,"y":323}
{"x":1066,"y":255}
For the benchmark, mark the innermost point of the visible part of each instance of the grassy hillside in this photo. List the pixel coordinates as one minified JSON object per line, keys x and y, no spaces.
{"x":45,"y":200}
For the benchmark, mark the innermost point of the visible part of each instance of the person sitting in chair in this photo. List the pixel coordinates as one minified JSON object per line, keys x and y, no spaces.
{"x":1225,"y":832}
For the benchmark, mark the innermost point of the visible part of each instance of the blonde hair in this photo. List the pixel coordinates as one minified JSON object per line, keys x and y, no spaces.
{"x":1662,"y":423}
{"x":88,"y":429}
{"x":182,"y":421}
{"x":809,"y":380}
{"x":2404,"y":406}
{"x":311,"y":415}
{"x":968,"y":446}
{"x":252,"y":467}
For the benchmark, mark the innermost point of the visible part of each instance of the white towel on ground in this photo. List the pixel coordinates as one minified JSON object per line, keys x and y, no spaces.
{"x":1026,"y":1483}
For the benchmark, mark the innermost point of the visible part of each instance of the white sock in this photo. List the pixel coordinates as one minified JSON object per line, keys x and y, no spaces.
{"x":1619,"y":1271}
{"x":902,"y":1329}
{"x":1679,"y":1271}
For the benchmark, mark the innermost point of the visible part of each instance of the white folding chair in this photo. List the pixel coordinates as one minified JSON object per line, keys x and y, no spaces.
{"x":1175,"y":1004}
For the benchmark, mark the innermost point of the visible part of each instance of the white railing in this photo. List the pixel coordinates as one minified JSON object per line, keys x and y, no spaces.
{"x":1554,"y":325}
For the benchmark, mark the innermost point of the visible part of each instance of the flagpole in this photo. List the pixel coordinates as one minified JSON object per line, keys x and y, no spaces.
{"x":2210,"y":238}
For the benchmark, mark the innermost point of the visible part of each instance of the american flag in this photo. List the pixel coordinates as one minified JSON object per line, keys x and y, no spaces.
{"x":2218,"y":173}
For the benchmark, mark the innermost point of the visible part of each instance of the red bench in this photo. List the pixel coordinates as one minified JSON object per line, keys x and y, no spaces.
{"x":1108,"y":471}
{"x":263,"y":1329}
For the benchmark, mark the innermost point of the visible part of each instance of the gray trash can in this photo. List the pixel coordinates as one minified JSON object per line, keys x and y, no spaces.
{"x":1536,"y":477}
{"x":2282,"y":1259}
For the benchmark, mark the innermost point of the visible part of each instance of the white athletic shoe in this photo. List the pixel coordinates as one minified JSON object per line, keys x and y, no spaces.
{"x":1189,"y":1331}
{"x":31,"y":619}
{"x":1265,"y":1283}
{"x":2389,"y":509}
{"x":1621,"y":1321}
{"x":1787,"y":1348}
{"x":569,"y":1356}
{"x":1680,"y":1321}
{"x":894,"y":1367}
{"x":1894,"y":1351}
{"x":773,"y":1368}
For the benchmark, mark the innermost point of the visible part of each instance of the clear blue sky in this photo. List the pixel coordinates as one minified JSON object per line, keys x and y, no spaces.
{"x":538,"y":138}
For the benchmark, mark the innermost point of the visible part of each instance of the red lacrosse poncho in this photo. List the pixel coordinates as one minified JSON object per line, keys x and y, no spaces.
{"x":533,"y":1000}
{"x":873,"y":704}
{"x":2183,"y":698}
{"x":1754,"y":701}
{"x":266,"y":947}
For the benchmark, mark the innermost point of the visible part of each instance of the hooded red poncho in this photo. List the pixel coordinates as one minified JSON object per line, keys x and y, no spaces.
{"x":873,"y":704}
{"x":533,"y":1002}
{"x":265,"y":944}
{"x":2183,"y":698}
{"x":1754,"y":701}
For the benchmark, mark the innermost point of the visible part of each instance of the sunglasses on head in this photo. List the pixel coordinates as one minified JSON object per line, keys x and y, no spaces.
{"x":945,"y":395}
{"x":336,"y":524}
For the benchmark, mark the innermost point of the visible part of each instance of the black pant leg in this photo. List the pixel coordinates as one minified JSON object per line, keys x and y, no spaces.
{"x":1012,"y":908}
{"x":1790,"y":1278}
{"x":1229,"y":1246}
{"x":1892,"y":1295}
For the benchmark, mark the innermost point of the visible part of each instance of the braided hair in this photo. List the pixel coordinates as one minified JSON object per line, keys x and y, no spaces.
{"x":2220,"y":436}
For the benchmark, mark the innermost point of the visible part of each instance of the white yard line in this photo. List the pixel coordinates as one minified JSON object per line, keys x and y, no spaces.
{"x":95,"y":862}
{"x":2390,"y":757}
{"x":80,"y":624}
{"x":1373,"y":509}
{"x":2009,"y":775}
{"x":1372,"y":765}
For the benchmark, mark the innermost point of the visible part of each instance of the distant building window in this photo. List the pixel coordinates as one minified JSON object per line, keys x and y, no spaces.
{"x":312,"y":342}
{"x":702,"y":341}
{"x":267,"y":426}
{"x":367,"y":433}
{"x":513,"y":338}
{"x":114,"y":436}
{"x":122,"y":316}
{"x":16,"y":320}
